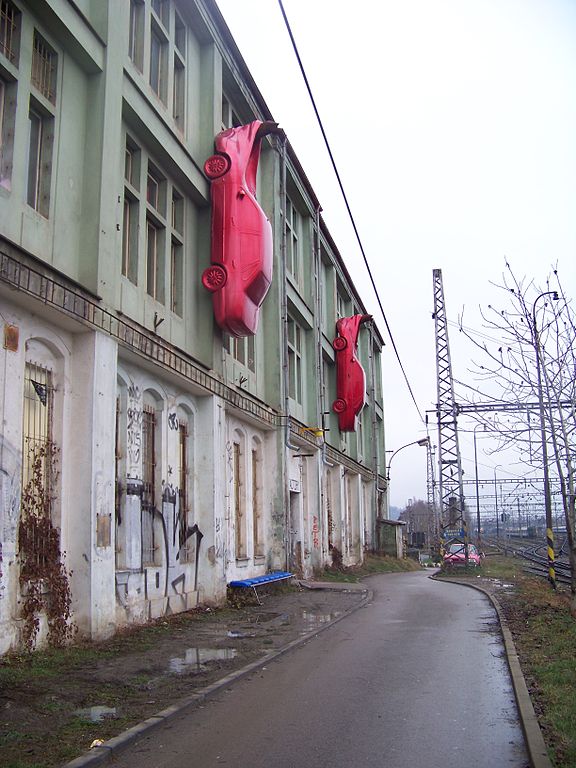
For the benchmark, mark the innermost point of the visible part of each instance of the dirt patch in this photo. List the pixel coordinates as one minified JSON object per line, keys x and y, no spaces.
{"x":54,"y":704}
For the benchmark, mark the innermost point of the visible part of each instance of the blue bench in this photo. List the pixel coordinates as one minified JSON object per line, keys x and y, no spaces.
{"x":258,"y":581}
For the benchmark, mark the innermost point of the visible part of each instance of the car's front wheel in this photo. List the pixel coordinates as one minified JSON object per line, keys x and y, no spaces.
{"x":214,"y":277}
{"x":216,"y":166}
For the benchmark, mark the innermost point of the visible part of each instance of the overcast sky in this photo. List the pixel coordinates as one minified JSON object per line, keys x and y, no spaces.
{"x":453,"y":126}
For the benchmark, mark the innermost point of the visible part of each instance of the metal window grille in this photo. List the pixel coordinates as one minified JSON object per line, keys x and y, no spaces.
{"x":148,"y":484}
{"x":183,"y":491}
{"x":37,"y":455}
{"x":8,"y":30}
{"x":238,"y":503}
{"x":256,"y":504}
{"x":44,"y":68}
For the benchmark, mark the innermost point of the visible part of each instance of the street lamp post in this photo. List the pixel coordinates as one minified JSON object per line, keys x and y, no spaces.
{"x":547,"y":495}
{"x":424,"y":441}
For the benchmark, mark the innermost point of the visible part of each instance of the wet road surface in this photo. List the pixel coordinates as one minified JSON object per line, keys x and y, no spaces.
{"x":416,"y":678}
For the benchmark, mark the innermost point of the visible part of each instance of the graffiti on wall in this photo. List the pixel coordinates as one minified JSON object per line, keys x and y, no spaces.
{"x":133,"y":431}
{"x":10,"y":474}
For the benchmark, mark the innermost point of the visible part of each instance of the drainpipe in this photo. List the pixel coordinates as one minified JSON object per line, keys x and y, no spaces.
{"x":374,"y":428}
{"x":284,"y":352}
{"x":320,"y":404}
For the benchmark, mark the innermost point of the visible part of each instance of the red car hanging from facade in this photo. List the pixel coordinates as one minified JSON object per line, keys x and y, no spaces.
{"x":350,"y":376}
{"x":240,"y":271}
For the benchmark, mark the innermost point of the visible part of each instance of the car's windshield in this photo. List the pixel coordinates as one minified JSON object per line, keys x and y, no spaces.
{"x":456,"y":548}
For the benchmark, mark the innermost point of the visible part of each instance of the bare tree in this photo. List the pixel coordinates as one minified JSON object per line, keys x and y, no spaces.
{"x":529,"y":361}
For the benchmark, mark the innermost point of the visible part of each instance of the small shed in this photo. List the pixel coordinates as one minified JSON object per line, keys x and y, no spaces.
{"x":389,"y":537}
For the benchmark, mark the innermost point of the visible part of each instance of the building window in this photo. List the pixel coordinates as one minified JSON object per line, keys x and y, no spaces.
{"x":40,"y":142}
{"x":44,"y":67}
{"x":7,"y":122}
{"x":180,"y":36}
{"x":341,"y":308}
{"x":38,"y":466}
{"x":155,"y":235}
{"x":229,"y":117}
{"x":136,"y":34}
{"x":158,"y":63}
{"x":130,"y":239}
{"x":154,"y":261}
{"x":239,"y":501}
{"x":242,"y":349}
{"x":177,"y":255}
{"x":178,"y":93}
{"x":132,"y":158}
{"x":132,"y":164}
{"x":257,"y":520}
{"x":162,"y":10}
{"x":9,"y":31}
{"x":148,"y":485}
{"x":183,"y":496}
{"x":295,"y":369}
{"x":292,"y":247}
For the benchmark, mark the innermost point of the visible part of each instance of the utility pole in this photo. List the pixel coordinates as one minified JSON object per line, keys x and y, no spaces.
{"x":449,"y":463}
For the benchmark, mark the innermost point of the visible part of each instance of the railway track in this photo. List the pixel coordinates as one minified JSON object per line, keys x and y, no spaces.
{"x":537,"y":557}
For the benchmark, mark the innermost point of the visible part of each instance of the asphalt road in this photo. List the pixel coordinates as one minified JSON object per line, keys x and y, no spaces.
{"x":415,"y":679}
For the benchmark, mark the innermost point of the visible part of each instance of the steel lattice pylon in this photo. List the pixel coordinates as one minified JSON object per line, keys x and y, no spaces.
{"x":449,"y":463}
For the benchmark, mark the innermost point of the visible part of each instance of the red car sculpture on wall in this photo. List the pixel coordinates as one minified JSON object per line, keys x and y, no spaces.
{"x":240,"y":271}
{"x":350,"y":376}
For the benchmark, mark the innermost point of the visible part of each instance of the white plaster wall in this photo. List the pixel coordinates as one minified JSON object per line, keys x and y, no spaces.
{"x":52,"y":347}
{"x":251,"y":436}
{"x":91,"y":454}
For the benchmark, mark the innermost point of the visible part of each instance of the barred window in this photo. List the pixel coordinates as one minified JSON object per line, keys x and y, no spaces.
{"x":38,"y":471}
{"x":44,"y":65}
{"x":9,"y":31}
{"x":148,"y":485}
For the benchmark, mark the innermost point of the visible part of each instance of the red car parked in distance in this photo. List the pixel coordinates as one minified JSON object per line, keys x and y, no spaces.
{"x":240,"y":272}
{"x":456,"y":556}
{"x":350,"y":376}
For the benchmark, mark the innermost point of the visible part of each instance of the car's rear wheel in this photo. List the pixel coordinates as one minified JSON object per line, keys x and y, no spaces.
{"x":214,"y":277}
{"x":339,"y":343}
{"x":339,"y":405}
{"x":216,"y":166}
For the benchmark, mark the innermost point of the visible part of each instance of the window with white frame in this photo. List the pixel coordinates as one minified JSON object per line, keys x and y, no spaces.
{"x":136,"y":33}
{"x":177,"y":255}
{"x":293,"y":219}
{"x":161,"y":219}
{"x":295,"y":364}
{"x":242,"y":349}
{"x":40,"y":146}
{"x":158,"y":25}
{"x":41,"y":124}
{"x":131,"y":211}
{"x":155,"y":234}
{"x":341,"y":305}
{"x":229,"y":117}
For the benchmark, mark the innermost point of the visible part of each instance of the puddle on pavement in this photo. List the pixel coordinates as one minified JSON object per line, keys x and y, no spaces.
{"x":96,"y":714}
{"x":314,"y":620}
{"x":197,"y":658}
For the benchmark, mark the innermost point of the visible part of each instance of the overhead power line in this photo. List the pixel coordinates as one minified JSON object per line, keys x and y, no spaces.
{"x":345,"y":198}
